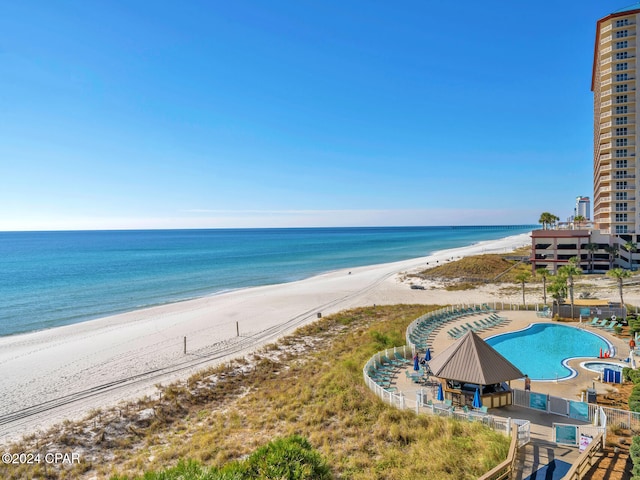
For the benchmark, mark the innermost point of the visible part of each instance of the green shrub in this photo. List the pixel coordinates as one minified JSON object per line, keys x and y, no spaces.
{"x":634,"y":324}
{"x":634,"y":453}
{"x":634,"y":399}
{"x":291,"y":458}
{"x":631,"y":375}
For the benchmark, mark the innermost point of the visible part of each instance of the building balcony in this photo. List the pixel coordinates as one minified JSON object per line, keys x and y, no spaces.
{"x":606,"y":103}
{"x":605,"y":136}
{"x":605,"y":156}
{"x":607,"y":92}
{"x":606,"y":114}
{"x":621,"y":176}
{"x":629,"y":79}
{"x":604,"y":178}
{"x":605,"y":72}
{"x":604,"y":169}
{"x":605,"y":39}
{"x":606,"y":29}
{"x":605,"y":61}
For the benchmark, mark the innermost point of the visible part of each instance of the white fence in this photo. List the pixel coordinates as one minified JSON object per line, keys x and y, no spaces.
{"x":415,"y":400}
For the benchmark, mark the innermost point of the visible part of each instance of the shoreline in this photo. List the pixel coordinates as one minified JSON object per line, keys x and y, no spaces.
{"x":67,"y":371}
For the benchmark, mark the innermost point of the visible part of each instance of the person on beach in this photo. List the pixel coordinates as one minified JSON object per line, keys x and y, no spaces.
{"x":632,"y":344}
{"x":527,"y":383}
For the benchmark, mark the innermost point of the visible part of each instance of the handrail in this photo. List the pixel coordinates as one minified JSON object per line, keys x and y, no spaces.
{"x":583,"y":464}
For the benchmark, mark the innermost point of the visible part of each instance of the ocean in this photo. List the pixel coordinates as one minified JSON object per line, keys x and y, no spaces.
{"x":48,"y":279}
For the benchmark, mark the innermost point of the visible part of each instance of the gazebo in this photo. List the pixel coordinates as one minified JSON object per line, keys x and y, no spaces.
{"x":471,"y":364}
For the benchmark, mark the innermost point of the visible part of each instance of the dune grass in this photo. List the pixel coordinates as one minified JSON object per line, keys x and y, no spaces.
{"x":478,"y":268}
{"x":308,"y":384}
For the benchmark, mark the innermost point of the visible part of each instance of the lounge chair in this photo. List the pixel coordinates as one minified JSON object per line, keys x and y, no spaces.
{"x":612,"y":326}
{"x":486,"y":323}
{"x":395,"y":363}
{"x":471,"y":327}
{"x":594,"y":321}
{"x":479,"y":325}
{"x":601,"y":324}
{"x":402,"y":359}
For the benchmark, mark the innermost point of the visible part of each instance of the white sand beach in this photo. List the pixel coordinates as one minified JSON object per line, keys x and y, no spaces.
{"x":64,"y":373}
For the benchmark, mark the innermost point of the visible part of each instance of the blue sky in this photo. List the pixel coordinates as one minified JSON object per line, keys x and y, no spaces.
{"x":205,"y":114}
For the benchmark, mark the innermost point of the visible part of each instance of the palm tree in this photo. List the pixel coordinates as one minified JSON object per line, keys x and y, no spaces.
{"x":612,"y":250}
{"x":558,"y":288}
{"x":619,"y":274}
{"x":544,"y":273}
{"x":592,"y":248}
{"x":547,"y":219}
{"x":631,"y":248}
{"x":522,"y":278}
{"x":579,"y":219}
{"x":571,"y":270}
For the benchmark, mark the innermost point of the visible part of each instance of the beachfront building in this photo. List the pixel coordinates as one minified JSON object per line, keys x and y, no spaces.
{"x":552,"y":249}
{"x":583,"y":208}
{"x":610,"y":239}
{"x":614,"y":85}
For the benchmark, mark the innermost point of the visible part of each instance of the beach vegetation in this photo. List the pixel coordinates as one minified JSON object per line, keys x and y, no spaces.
{"x":310,"y":386}
{"x":478,"y":269}
{"x":457,"y":287}
{"x":543,"y":273}
{"x":592,"y":248}
{"x":569,"y":272}
{"x":522,"y":278}
{"x":634,"y":324}
{"x":634,"y":453}
{"x":548,"y":220}
{"x":619,"y":274}
{"x":292,"y":458}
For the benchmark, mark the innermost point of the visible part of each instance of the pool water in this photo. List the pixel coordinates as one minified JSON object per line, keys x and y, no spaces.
{"x":600,"y":366}
{"x":542,"y":349}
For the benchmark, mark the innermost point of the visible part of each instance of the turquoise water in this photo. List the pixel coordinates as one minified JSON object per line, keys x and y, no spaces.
{"x":540,"y":350}
{"x":600,"y":366}
{"x":49,"y":279}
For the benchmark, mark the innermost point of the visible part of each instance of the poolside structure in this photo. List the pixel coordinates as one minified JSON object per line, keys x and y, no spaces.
{"x":469,"y":364}
{"x":590,"y":308}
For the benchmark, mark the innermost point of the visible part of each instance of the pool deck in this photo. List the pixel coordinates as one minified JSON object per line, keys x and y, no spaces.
{"x":540,"y":452}
{"x":517,"y":320}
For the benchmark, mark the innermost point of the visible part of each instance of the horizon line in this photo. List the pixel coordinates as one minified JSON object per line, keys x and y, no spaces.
{"x":324,"y":227}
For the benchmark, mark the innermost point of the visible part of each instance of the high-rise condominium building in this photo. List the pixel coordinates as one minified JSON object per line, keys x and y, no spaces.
{"x":616,"y":164}
{"x":583,"y":207}
{"x":614,"y":85}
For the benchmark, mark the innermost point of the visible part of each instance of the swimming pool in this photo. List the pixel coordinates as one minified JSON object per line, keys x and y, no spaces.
{"x":599,"y":367}
{"x":542,"y":349}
